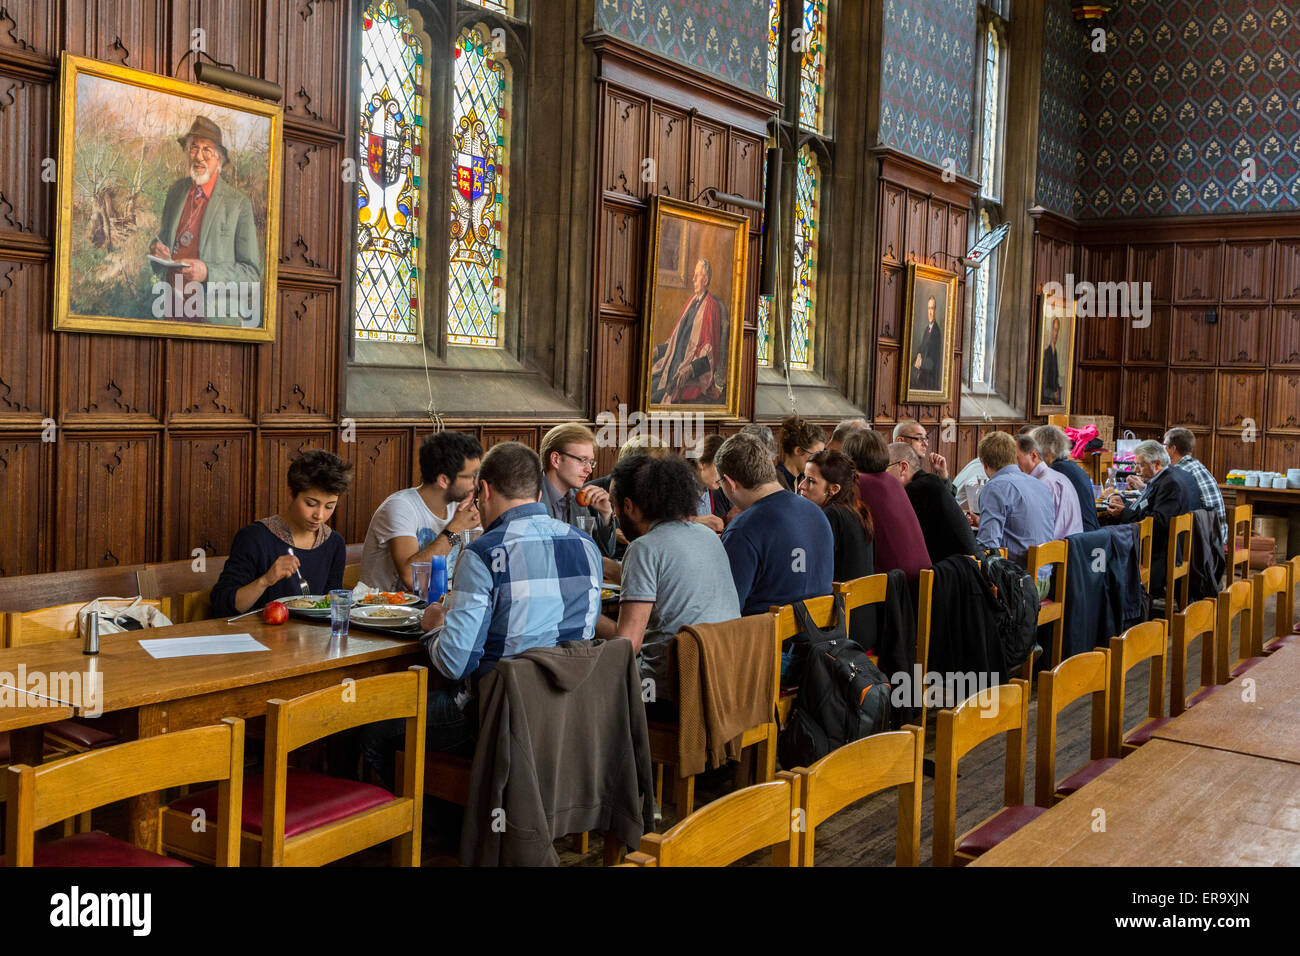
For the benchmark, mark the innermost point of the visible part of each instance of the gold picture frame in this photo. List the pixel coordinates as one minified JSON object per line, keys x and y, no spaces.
{"x":1055,"y":372}
{"x":134,"y":151}
{"x":701,"y":322}
{"x":925,"y":376}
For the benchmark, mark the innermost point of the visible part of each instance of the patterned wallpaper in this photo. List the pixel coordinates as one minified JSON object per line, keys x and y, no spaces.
{"x":1186,"y":92}
{"x":1065,"y":52}
{"x":727,"y":38}
{"x":927,"y":80}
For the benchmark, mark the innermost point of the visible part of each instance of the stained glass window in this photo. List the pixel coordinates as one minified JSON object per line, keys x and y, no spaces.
{"x":811,"y":68}
{"x":807,"y":195}
{"x":982,"y":290}
{"x":476,"y":268}
{"x":989,"y":139}
{"x":773,"y":49}
{"x":389,"y":194}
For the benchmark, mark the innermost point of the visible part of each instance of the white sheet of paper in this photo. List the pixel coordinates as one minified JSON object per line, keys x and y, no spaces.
{"x":166,"y":263}
{"x":164,"y":647}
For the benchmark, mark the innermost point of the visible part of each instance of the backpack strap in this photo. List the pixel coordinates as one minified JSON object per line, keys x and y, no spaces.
{"x":813,"y":634}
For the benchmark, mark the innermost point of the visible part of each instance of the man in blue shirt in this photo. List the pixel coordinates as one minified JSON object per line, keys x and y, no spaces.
{"x":780,"y":546}
{"x":1016,"y":511}
{"x":528,"y":581}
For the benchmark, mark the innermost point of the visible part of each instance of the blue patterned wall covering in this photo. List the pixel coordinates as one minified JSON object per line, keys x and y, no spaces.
{"x":727,"y":38}
{"x":927,"y":80}
{"x":1065,"y":52}
{"x":1187,"y":91}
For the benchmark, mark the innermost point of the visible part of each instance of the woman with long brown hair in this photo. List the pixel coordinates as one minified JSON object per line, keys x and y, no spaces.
{"x":830,"y":481}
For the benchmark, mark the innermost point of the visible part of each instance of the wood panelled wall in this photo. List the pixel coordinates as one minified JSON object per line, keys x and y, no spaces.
{"x":1222,"y":353}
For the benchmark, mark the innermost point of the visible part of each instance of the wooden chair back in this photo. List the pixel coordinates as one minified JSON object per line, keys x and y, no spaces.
{"x":858,"y":770}
{"x":730,"y":828}
{"x":998,"y":710}
{"x":1236,"y":603}
{"x":352,"y":570}
{"x":1274,"y":582}
{"x":862,"y":591}
{"x":1086,"y":673}
{"x":1293,"y":581}
{"x":1146,"y":531}
{"x":924,"y":617}
{"x":1196,"y":620}
{"x":31,"y":592}
{"x":55,"y":623}
{"x":41,"y":796}
{"x":1054,"y":554}
{"x":1178,"y":563}
{"x":187,"y":586}
{"x":1239,"y":525}
{"x":1141,"y":642}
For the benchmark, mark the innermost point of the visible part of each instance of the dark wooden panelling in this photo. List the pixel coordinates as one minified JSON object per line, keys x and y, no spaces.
{"x":886,"y":384}
{"x":1286,"y":284}
{"x":311,"y":175}
{"x":130,"y":34}
{"x":109,"y":379}
{"x":305,"y":53}
{"x":1281,"y":453}
{"x":708,"y":158}
{"x":1243,"y":337}
{"x":1284,"y":402}
{"x":621,"y":260}
{"x":22,"y":480}
{"x":891,"y":224}
{"x":914,"y":240}
{"x":381,"y":459}
{"x":890,"y":292}
{"x":1232,"y":450}
{"x":616,"y":381}
{"x":26,"y":344}
{"x":625,"y":131}
{"x":1104,"y":264}
{"x":1191,"y":398}
{"x":1195,"y":340}
{"x":1241,"y":397}
{"x":106,"y":500}
{"x":1144,"y":397}
{"x":525,"y":436}
{"x":241,"y":48}
{"x":668,"y":130}
{"x":1149,"y":345}
{"x":1196,"y":272}
{"x":1101,"y":338}
{"x":1286,"y":337}
{"x":936,"y":238}
{"x":276,"y":451}
{"x":30,"y":29}
{"x":1155,"y":264}
{"x":1246,"y":268}
{"x":214,"y":468}
{"x":26,"y":142}
{"x":1096,"y":390}
{"x":300,"y":368}
{"x":745,"y":172}
{"x":210,"y":382}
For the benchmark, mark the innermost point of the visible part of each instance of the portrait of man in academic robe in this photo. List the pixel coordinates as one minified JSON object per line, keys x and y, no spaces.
{"x":690,"y":368}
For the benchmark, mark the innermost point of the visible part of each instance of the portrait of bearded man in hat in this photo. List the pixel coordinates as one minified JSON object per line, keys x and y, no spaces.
{"x":207,"y":227}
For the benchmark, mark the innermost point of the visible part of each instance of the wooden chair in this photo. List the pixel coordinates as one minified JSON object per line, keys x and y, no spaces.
{"x":41,"y":796}
{"x":352,"y":570}
{"x":1141,"y":642}
{"x":1178,"y":564}
{"x":1239,"y":524}
{"x":1197,"y":620}
{"x":858,"y":770}
{"x":924,"y":615}
{"x":31,"y":592}
{"x":1086,"y":673}
{"x":1146,"y":531}
{"x":188,"y":590}
{"x":730,"y":828}
{"x":1051,"y":610}
{"x":1236,"y":603}
{"x":998,"y":710}
{"x":1273,"y":582}
{"x":55,"y":623}
{"x":297,"y":818}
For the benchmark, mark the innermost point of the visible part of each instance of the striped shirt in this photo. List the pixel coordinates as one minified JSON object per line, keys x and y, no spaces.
{"x":1211,"y":497}
{"x":527,"y":581}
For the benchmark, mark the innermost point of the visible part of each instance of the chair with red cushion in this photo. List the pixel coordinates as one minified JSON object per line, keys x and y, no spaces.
{"x":1142,"y":642}
{"x":998,"y":710}
{"x":299,"y":818}
{"x":41,"y":796}
{"x":1197,"y":620}
{"x":1051,"y":610}
{"x":1087,"y":673}
{"x":1273,"y":582}
{"x":1236,"y":603}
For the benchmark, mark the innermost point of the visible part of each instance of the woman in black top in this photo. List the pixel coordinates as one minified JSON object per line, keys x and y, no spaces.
{"x":831,"y":481}
{"x":260,"y":568}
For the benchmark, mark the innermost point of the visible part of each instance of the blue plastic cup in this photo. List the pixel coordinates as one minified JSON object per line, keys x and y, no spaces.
{"x":437,"y":578}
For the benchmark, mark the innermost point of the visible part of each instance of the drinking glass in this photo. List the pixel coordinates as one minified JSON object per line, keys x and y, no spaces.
{"x":340,"y":612}
{"x":420,"y":571}
{"x":587,"y":523}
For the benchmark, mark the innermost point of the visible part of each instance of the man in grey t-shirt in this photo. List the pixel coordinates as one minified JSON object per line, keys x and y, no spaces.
{"x":675,"y":571}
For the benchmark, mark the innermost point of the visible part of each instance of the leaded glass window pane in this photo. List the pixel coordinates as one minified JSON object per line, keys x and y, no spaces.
{"x":988,"y":149}
{"x":476,"y":270}
{"x":978,"y":339}
{"x":389,"y":201}
{"x":765,"y":330}
{"x":807,"y":195}
{"x":773,"y":49}
{"x":811,"y":70}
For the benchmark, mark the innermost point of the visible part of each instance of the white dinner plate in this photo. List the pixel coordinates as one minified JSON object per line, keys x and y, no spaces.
{"x":370,"y":616}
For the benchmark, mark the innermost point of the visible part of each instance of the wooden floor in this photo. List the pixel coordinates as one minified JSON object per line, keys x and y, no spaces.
{"x":860,"y":835}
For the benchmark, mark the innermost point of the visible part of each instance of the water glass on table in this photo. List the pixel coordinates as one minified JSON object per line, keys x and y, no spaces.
{"x":420,"y":571}
{"x":340,"y":612}
{"x":587,"y":523}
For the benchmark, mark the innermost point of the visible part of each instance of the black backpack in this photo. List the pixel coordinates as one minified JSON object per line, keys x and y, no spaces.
{"x":1015,"y":595}
{"x":843,"y":697}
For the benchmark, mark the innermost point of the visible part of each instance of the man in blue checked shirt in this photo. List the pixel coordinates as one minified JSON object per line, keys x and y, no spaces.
{"x":528,"y":581}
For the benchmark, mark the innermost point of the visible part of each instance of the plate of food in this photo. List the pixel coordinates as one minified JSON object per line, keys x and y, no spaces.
{"x":388,"y":599}
{"x":309,"y":605}
{"x":386,"y":616}
{"x":609,"y":591}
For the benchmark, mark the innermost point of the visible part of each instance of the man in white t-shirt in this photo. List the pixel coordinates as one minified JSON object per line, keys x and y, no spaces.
{"x":415,"y":524}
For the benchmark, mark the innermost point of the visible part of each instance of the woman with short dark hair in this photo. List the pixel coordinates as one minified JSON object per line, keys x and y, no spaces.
{"x":800,"y":440}
{"x":268,"y":555}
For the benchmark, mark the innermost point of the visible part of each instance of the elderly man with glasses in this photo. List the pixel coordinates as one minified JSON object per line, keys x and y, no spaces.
{"x":1180,"y":443}
{"x":914,"y":433}
{"x":1168,"y":493}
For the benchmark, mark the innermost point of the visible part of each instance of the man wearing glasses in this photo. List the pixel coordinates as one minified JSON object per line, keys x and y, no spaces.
{"x":914,"y":433}
{"x":568,"y":457}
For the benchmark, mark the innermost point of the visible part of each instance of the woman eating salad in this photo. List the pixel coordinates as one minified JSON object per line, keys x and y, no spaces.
{"x":270,"y":557}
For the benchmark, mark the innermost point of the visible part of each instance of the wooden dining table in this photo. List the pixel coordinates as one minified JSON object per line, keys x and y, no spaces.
{"x":1169,"y":804}
{"x":157,"y":696}
{"x":23,"y":715}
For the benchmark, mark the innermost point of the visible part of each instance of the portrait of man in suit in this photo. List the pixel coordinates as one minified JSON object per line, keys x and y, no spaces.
{"x":1052,"y":367}
{"x":1056,"y":320}
{"x":927,"y":360}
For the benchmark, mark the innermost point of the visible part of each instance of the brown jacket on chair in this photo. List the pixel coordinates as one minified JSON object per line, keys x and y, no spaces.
{"x":562,"y":748}
{"x":724,"y":687}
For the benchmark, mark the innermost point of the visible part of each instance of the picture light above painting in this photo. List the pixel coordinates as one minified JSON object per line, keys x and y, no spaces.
{"x":168,"y":207}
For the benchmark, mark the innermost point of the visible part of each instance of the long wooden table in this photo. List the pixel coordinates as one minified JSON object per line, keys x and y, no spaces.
{"x":171,"y":694}
{"x":1169,"y":804}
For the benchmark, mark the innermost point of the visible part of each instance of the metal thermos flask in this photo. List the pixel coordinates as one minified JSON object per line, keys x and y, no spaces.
{"x":91,"y":643}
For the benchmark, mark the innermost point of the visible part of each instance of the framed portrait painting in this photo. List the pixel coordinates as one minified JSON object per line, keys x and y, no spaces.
{"x":168,"y":206}
{"x":1056,"y":325}
{"x":695,"y":294}
{"x":928,"y":336}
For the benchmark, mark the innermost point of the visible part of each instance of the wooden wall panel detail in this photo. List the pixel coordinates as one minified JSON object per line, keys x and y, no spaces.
{"x":1197,"y":272}
{"x":210,"y":382}
{"x":300,"y":369}
{"x":109,"y":379}
{"x":106,"y":500}
{"x":1241,"y":397}
{"x":27,"y":137}
{"x":26,"y":343}
{"x":1243,"y":338}
{"x":214,"y":468}
{"x":24,"y":542}
{"x":622,"y":260}
{"x":668,"y":130}
{"x":1245,"y":271}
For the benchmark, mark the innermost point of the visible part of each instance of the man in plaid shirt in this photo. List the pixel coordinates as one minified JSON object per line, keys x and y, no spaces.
{"x":1180,"y":442}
